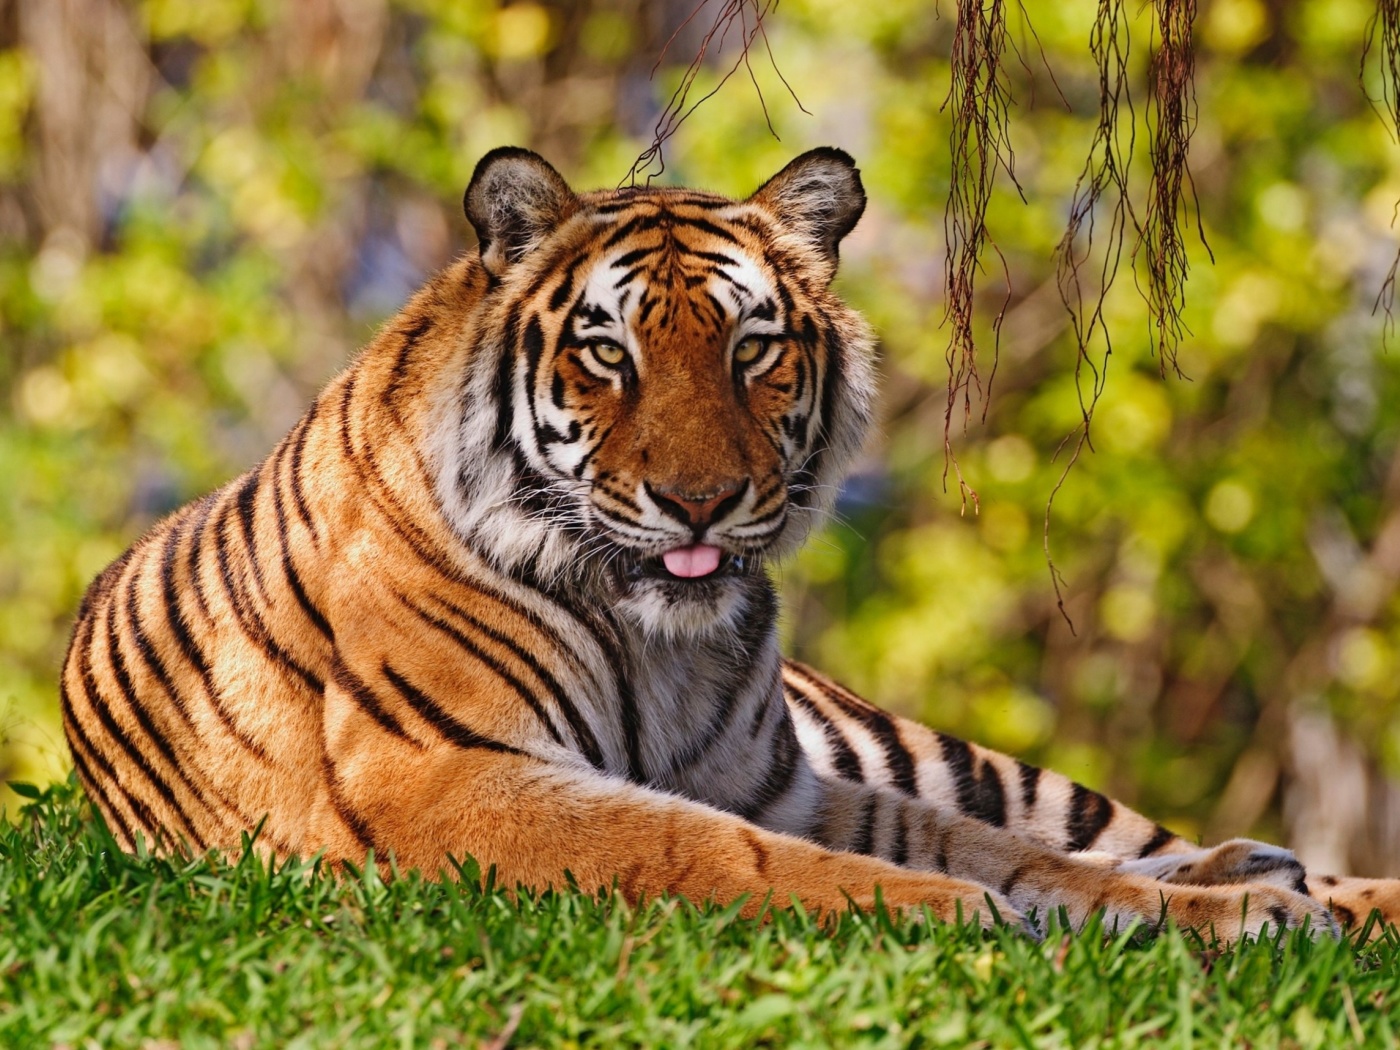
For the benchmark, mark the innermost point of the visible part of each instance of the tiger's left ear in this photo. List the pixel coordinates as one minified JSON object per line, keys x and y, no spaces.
{"x":818,"y":196}
{"x":514,"y":200}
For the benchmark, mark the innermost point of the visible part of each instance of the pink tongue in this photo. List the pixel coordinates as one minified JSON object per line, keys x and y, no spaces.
{"x":690,"y":562}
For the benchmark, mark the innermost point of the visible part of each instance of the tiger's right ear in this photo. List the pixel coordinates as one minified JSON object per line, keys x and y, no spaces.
{"x":514,"y":199}
{"x":819,"y":196}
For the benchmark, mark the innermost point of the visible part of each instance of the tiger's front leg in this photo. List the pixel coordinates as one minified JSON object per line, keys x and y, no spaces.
{"x":434,"y":787}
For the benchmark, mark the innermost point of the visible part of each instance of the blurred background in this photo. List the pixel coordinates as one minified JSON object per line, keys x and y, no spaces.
{"x":207,"y":205}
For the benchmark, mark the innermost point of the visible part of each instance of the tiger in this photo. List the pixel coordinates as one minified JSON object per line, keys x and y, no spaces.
{"x":503,"y":592}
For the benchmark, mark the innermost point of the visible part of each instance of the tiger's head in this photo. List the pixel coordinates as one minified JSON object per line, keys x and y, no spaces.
{"x":665,"y":391}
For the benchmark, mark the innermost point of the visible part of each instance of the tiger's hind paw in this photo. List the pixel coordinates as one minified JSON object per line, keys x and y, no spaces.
{"x":1354,"y":900}
{"x":1228,"y":864}
{"x":1235,"y":912}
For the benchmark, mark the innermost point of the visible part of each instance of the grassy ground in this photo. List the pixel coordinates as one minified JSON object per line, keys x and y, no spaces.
{"x":101,"y":949}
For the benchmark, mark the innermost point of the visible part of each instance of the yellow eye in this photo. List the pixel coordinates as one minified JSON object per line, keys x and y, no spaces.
{"x":609,"y":354}
{"x":749,"y":350}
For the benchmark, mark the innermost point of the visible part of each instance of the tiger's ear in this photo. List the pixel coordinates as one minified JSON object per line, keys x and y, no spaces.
{"x":513,"y":200}
{"x":818,"y":196}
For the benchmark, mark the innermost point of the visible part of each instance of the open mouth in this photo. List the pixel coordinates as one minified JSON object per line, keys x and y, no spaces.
{"x":700,"y":561}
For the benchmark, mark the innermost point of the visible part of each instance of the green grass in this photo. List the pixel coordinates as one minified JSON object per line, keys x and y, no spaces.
{"x":103,"y":949}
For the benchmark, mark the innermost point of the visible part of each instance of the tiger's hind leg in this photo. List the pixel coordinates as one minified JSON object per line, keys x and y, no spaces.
{"x":848,"y":737}
{"x":1355,"y":901}
{"x":1351,"y":900}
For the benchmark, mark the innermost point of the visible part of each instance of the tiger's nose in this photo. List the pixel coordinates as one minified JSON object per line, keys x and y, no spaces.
{"x":697,"y":510}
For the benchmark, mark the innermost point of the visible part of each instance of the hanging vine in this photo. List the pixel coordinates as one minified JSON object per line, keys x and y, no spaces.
{"x":1383,"y":35}
{"x":1105,"y":174}
{"x":743,"y":18}
{"x":979,"y":100}
{"x":1171,"y":113}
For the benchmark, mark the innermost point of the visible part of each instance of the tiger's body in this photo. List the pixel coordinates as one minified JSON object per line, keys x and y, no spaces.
{"x":500,"y":592}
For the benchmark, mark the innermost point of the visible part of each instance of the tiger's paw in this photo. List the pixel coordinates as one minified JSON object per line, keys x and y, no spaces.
{"x":1231,"y":863}
{"x":990,"y":909}
{"x":971,"y":902}
{"x":1354,"y":900}
{"x":1241,"y":911}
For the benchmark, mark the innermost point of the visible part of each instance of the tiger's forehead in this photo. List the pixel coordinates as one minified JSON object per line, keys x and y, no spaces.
{"x":656,"y":263}
{"x":627,"y":197}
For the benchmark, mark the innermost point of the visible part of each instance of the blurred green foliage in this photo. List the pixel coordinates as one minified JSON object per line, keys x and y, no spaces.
{"x":180,"y":272}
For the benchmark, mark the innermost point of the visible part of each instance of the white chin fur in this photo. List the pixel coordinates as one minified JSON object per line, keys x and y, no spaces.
{"x":663,"y":609}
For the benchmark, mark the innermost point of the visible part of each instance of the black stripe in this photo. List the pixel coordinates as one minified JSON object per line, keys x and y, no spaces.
{"x":247,"y":518}
{"x":628,"y":277}
{"x":289,"y":570}
{"x":763,"y":519}
{"x":782,"y":770}
{"x":99,"y":706}
{"x":595,"y":620}
{"x":638,"y":224}
{"x":559,"y":603}
{"x":630,"y":716}
{"x":1159,"y":839}
{"x":175,"y":620}
{"x":565,"y":287}
{"x":843,"y":756}
{"x":93,"y":787}
{"x":546,"y":434}
{"x":821,"y":441}
{"x":504,"y":386}
{"x":298,"y":450}
{"x":865,"y":830}
{"x":980,"y":790}
{"x":147,"y":649}
{"x":451,"y":729}
{"x":940,"y":849}
{"x":532,"y":343}
{"x":194,"y":561}
{"x":246,"y":613}
{"x":732,"y":281}
{"x":761,"y":713}
{"x":899,"y":849}
{"x":383,"y":499}
{"x":1089,"y":814}
{"x":174,"y":613}
{"x":163,"y":744}
{"x":78,"y":743}
{"x":106,"y":580}
{"x":617,"y":493}
{"x":695,"y":223}
{"x":718,"y":258}
{"x":348,"y":816}
{"x":1009,"y":883}
{"x":347,"y":396}
{"x":363,"y":695}
{"x":880,"y":725}
{"x":598,"y":621}
{"x":500,"y":669}
{"x":719,"y":315}
{"x":636,"y":255}
{"x":155,"y":666}
{"x":578,"y":725}
{"x":410,"y":335}
{"x":1030,"y":784}
{"x":582,"y":464}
